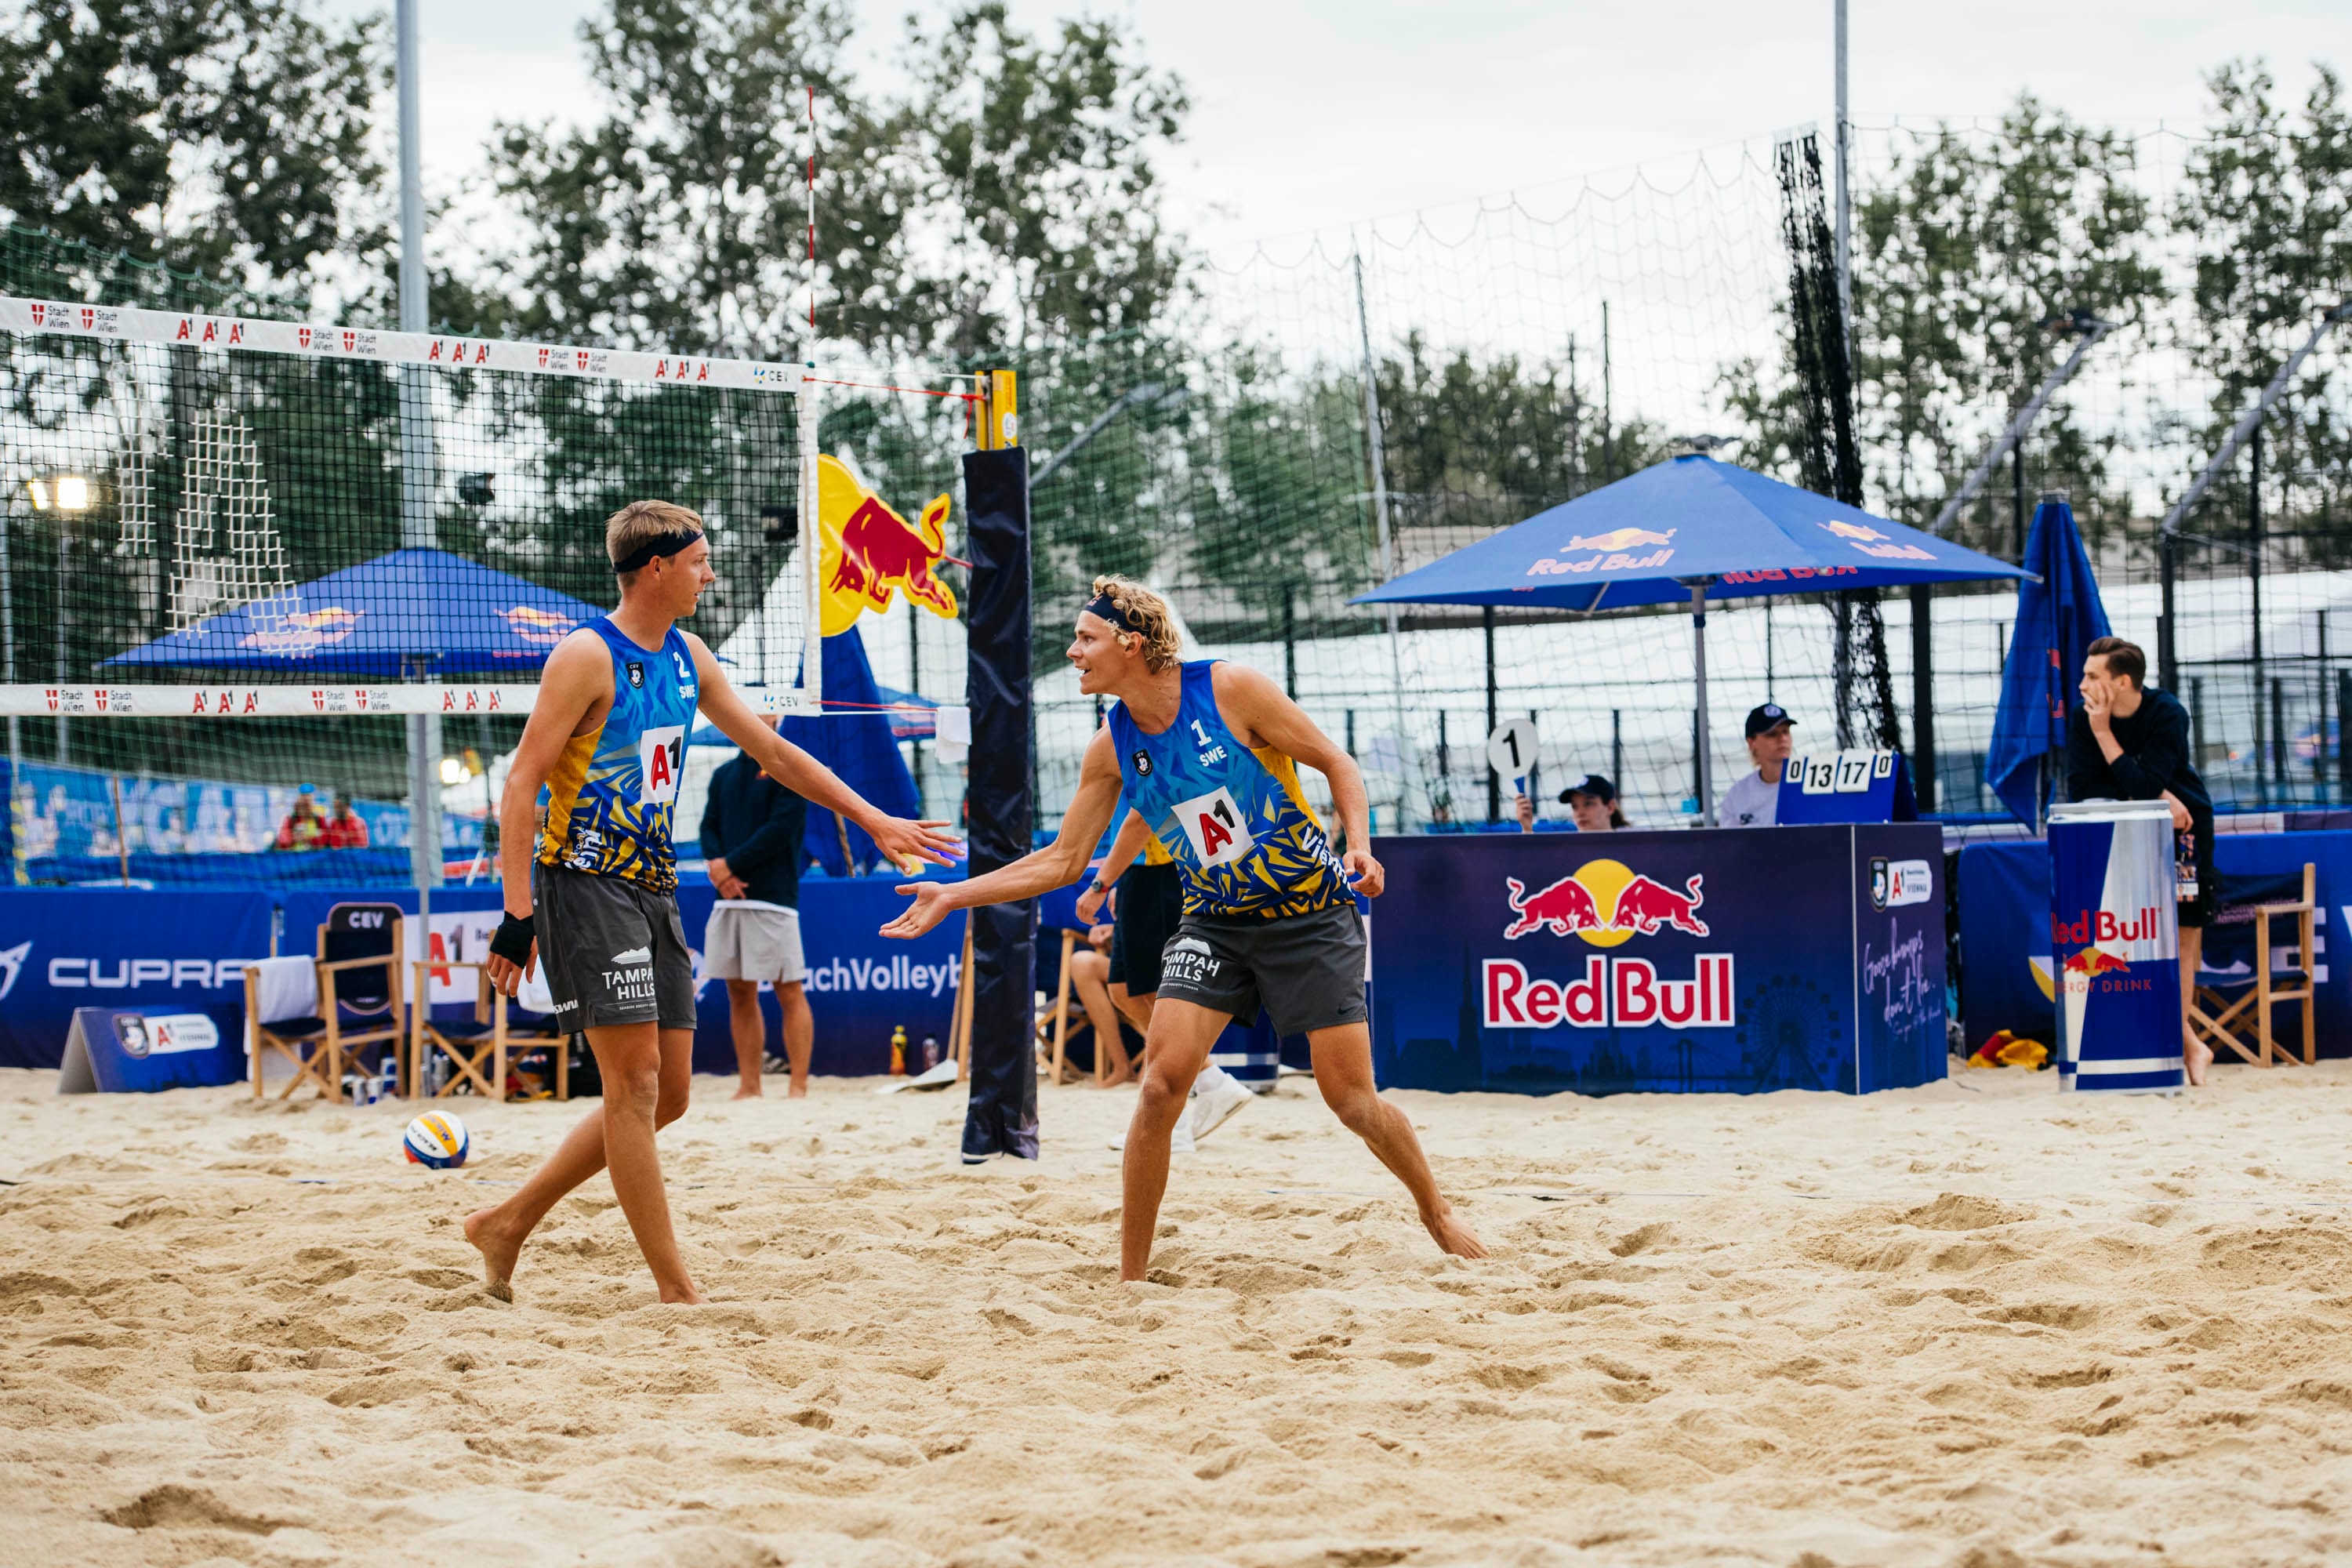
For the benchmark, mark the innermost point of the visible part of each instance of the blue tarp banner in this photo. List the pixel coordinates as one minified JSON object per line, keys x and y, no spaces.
{"x":62,"y":826}
{"x":2057,"y":618}
{"x":65,"y":948}
{"x":2005,"y":963}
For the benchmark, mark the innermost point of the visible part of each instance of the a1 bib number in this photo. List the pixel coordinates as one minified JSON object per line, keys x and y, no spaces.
{"x":661,"y":764}
{"x":1215,"y":827}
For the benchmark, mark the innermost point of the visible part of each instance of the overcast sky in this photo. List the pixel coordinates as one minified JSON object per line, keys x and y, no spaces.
{"x":1312,"y":113}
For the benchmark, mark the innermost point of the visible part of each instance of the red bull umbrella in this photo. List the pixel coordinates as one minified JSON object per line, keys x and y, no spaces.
{"x":1683,"y":530}
{"x":382,"y":617}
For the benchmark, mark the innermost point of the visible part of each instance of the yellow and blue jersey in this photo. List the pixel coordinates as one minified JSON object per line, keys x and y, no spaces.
{"x":1233,"y":817}
{"x":605,"y":808}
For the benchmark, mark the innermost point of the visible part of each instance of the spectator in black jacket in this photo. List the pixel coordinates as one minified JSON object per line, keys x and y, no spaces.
{"x":2129,"y":741}
{"x":751,"y":831}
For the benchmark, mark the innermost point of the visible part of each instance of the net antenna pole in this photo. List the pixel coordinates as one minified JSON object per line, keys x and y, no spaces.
{"x":1387,"y":545}
{"x":417,"y":530}
{"x":812,"y":694}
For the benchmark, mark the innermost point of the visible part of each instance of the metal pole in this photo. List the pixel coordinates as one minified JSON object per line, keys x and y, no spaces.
{"x":8,"y":668}
{"x":1387,"y":543}
{"x":2017,"y":501}
{"x":2167,"y":567}
{"x":1617,"y":750}
{"x":2255,"y":573}
{"x":1922,"y":694}
{"x":417,"y":530}
{"x":1494,"y":717}
{"x":1290,"y":640}
{"x":2093,"y":330}
{"x":59,"y":628}
{"x":1608,"y":404}
{"x":1844,"y":190}
{"x":2251,"y":419}
{"x":2343,"y":726}
{"x":1698,"y":661}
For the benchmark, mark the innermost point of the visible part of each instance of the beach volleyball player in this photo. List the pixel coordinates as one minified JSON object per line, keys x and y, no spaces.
{"x":1207,"y":752}
{"x":590,"y":878}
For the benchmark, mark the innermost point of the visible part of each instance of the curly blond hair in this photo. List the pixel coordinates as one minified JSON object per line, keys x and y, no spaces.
{"x":641,"y":519}
{"x":1154,"y":622}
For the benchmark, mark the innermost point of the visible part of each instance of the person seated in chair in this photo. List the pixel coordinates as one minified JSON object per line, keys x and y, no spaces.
{"x":2131,"y":742}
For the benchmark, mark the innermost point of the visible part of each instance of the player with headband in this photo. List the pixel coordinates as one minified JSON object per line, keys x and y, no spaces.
{"x":1207,"y":752}
{"x":589,"y":877}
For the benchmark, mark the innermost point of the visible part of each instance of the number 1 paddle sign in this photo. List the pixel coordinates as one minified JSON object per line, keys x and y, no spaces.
{"x":1214,"y":826}
{"x":1512,"y":750}
{"x":661,"y":759}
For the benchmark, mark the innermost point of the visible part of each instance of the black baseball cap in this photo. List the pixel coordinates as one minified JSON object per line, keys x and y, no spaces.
{"x":1770,"y":716}
{"x":1592,"y":785}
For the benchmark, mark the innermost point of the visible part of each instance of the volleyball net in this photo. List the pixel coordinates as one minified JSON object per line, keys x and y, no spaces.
{"x":247,"y":558}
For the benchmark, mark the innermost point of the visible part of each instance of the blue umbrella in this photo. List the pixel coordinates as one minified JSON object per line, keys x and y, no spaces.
{"x":383,"y":617}
{"x":1679,"y":530}
{"x":2058,"y":616}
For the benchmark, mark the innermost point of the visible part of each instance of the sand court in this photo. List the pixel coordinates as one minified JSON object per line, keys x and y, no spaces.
{"x":1974,"y":1324}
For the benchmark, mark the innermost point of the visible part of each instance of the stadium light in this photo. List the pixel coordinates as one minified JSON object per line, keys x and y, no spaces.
{"x":39,"y":492}
{"x":72,"y":493}
{"x":452,"y":771}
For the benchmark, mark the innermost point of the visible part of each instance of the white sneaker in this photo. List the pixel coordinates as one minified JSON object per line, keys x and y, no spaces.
{"x":1180,"y":1141}
{"x":1213,"y":1106}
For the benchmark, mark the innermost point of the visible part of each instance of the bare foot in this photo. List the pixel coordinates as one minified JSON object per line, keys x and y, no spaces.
{"x":1445,"y":1228}
{"x":499,"y":1250}
{"x":682,"y":1296}
{"x":1123,"y":1073}
{"x":2197,"y":1056}
{"x":747,"y":1091}
{"x":798,"y":1091}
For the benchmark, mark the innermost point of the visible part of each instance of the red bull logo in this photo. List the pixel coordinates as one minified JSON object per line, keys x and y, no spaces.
{"x":1605,"y":902}
{"x":1619,"y":539}
{"x":304,"y":631}
{"x":2104,"y":925}
{"x":544,"y":628}
{"x":868,"y":549}
{"x":1853,"y":531}
{"x":1616,"y":546}
{"x":1870,"y":542}
{"x":2093,"y":961}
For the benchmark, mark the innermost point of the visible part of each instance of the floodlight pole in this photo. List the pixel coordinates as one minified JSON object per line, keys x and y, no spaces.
{"x":417,"y":530}
{"x":1844,"y":194}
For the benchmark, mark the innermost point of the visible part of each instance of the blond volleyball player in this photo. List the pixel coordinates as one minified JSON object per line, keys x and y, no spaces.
{"x":1207,"y":753}
{"x":591,"y":879}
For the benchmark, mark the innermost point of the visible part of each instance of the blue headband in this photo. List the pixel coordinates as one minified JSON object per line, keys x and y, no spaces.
{"x":1102,"y":604}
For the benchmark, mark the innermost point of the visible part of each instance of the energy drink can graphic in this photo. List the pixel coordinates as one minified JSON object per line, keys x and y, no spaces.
{"x":2115,"y":939}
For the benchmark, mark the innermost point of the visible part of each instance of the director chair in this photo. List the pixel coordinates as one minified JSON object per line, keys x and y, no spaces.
{"x":2244,"y":1026}
{"x":357,"y":991}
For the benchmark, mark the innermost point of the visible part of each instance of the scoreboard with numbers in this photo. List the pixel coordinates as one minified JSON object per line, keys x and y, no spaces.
{"x":1846,"y":786}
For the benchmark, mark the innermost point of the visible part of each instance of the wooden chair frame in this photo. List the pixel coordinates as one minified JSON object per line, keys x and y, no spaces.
{"x":489,"y":1007}
{"x":324,"y":1065}
{"x":2222,"y":1024}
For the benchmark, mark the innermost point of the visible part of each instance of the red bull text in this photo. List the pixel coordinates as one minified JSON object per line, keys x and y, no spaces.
{"x":2115,"y":936}
{"x":1624,"y":991}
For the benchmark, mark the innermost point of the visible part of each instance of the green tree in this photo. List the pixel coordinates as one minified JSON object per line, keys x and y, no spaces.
{"x":2268,"y":201}
{"x":1961,"y":259}
{"x":225,"y":137}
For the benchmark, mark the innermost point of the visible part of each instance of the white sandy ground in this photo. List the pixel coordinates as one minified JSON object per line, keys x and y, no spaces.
{"x":1979,"y":1324}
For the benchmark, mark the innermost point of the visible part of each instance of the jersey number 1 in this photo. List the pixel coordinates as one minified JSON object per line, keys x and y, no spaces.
{"x":1213,"y":824}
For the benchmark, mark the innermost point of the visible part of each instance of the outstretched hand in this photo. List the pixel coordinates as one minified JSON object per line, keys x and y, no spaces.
{"x":929,"y":908}
{"x":905,"y":842}
{"x":1364,"y":872}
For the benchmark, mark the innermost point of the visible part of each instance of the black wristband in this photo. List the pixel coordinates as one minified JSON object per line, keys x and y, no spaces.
{"x":513,"y":939}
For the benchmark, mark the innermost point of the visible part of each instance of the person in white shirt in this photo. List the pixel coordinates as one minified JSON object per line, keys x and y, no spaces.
{"x":1754,"y":799}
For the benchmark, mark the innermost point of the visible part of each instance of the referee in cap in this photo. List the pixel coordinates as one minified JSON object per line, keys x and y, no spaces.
{"x":1754,"y":799}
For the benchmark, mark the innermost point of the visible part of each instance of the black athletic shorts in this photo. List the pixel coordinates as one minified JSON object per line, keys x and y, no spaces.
{"x":1307,"y":970}
{"x":1150,"y":902}
{"x":615,"y":952}
{"x":2199,"y":912}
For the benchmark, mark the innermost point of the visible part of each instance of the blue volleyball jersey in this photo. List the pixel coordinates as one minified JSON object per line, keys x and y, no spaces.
{"x":607,"y":801}
{"x":1233,"y":817}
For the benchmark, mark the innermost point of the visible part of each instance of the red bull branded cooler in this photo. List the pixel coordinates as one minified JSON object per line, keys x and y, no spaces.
{"x":2115,"y":940}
